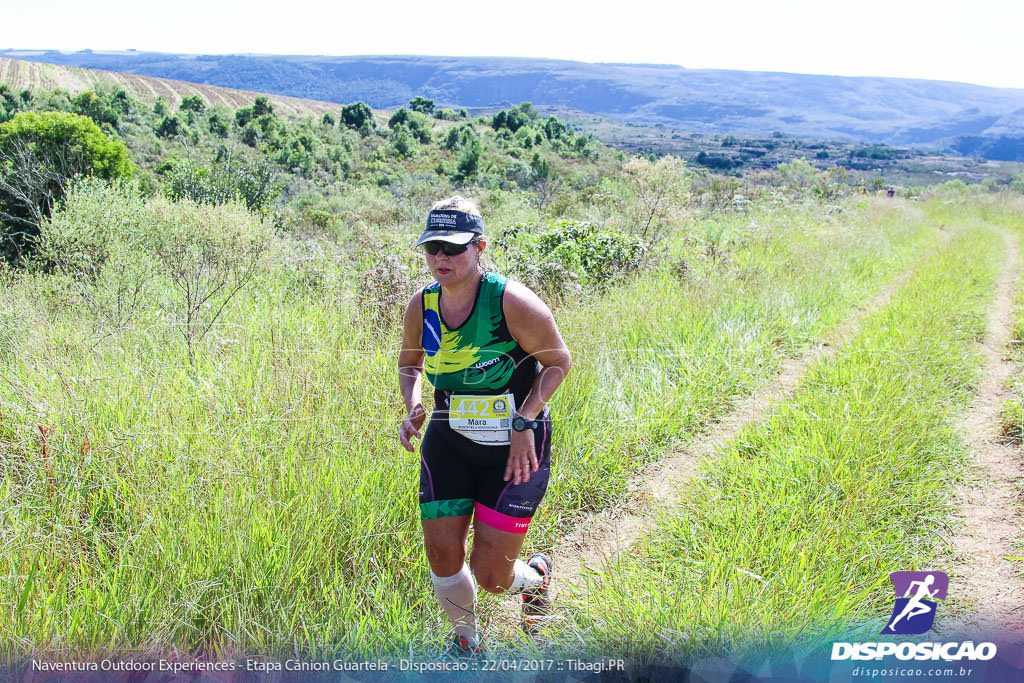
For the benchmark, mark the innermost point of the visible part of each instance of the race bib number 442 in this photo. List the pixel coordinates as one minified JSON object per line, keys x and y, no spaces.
{"x":484,"y":419}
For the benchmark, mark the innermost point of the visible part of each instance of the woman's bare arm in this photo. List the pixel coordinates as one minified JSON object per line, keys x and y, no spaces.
{"x":410,"y":372}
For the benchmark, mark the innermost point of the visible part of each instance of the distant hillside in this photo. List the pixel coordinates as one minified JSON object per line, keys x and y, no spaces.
{"x":955,"y":117}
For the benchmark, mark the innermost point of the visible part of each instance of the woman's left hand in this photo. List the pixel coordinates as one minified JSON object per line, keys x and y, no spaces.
{"x":522,"y":457}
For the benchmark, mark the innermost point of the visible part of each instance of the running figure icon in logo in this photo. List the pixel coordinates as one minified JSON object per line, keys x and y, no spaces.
{"x":916,"y":592}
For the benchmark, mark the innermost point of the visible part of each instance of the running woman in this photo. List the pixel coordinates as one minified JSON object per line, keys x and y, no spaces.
{"x":492,"y":352}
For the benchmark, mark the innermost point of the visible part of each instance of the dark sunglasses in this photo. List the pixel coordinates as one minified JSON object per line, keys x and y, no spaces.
{"x":448,"y":248}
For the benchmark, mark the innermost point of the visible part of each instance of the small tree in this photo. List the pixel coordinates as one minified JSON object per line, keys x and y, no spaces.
{"x":243,"y":115}
{"x":539,"y":169}
{"x":1017,"y":184}
{"x":193,"y":103}
{"x":658,"y":186}
{"x":235,"y":179}
{"x":209,"y":253}
{"x":97,"y":238}
{"x":400,"y":116}
{"x":262,"y":106}
{"x":95,"y":107}
{"x":217,"y":125}
{"x":554,"y":128}
{"x":422,"y":105}
{"x":39,"y":153}
{"x":798,"y":173}
{"x":9,"y":103}
{"x":415,"y":123}
{"x":356,"y":115}
{"x":170,"y":127}
{"x":513,"y":119}
{"x":469,"y":160}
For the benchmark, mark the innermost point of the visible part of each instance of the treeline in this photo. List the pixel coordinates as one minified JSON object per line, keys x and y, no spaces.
{"x":210,"y":153}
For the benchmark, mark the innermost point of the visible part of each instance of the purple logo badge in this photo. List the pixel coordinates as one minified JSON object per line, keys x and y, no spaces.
{"x":916,"y":593}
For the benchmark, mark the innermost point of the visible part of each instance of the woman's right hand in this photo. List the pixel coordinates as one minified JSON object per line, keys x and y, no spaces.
{"x":411,"y":426}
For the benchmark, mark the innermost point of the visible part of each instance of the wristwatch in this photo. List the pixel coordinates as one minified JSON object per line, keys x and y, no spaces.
{"x":521,"y":424}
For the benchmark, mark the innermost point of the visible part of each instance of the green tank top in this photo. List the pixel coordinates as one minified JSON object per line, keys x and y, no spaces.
{"x":480,"y":355}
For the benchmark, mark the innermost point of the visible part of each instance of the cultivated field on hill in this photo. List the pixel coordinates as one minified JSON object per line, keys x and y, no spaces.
{"x":19,"y":74}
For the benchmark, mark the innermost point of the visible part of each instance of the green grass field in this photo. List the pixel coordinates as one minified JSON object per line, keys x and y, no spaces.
{"x":792,"y":529}
{"x":261,"y":503}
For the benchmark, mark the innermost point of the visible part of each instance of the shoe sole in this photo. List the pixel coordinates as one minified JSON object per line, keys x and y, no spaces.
{"x":534,"y":613}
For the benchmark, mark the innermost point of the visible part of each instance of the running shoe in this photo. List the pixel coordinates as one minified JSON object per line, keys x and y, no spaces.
{"x":536,"y":601}
{"x":460,"y":649}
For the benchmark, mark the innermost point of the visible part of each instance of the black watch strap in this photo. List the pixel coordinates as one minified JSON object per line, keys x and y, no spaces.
{"x":521,"y":424}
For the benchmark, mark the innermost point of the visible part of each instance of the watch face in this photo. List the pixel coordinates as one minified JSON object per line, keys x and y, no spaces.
{"x":521,"y":424}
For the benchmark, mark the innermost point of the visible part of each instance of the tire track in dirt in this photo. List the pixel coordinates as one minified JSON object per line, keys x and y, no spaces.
{"x":989,"y":518}
{"x":601,"y":536}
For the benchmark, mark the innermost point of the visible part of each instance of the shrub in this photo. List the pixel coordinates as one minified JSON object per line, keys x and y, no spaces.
{"x":261,"y":106}
{"x":595,"y":257}
{"x":554,"y":129}
{"x":719,"y":162}
{"x":97,"y":238}
{"x":356,"y":115}
{"x":318,"y":218}
{"x":253,"y":183}
{"x":552,"y":280}
{"x":250,"y":135}
{"x":952,"y":187}
{"x":243,"y":116}
{"x":217,"y":125}
{"x":95,"y":107}
{"x":39,"y":153}
{"x":513,"y":120}
{"x":659,"y":186}
{"x":170,"y":127}
{"x":602,"y":254}
{"x":517,"y":174}
{"x":539,"y":169}
{"x":798,"y":173}
{"x":9,"y":104}
{"x":469,"y":160}
{"x":192,"y":103}
{"x":401,"y":142}
{"x":422,"y":105}
{"x":111,"y":243}
{"x":415,"y":123}
{"x":209,"y":253}
{"x":458,"y":136}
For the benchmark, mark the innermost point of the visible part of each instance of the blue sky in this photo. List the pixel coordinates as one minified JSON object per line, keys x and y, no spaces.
{"x":976,"y":42}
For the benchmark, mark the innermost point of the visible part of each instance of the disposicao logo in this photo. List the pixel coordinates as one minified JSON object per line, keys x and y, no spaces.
{"x":916,"y":593}
{"x":913,"y":614}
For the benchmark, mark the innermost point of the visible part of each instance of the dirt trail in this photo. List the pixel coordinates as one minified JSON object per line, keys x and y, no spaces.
{"x":599,"y":537}
{"x":990,"y":518}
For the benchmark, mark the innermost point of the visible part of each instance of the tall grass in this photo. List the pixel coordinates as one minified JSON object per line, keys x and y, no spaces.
{"x":793,"y":528}
{"x":260,"y":502}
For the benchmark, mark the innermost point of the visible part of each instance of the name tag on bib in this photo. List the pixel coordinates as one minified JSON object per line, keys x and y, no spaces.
{"x":483,"y":419}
